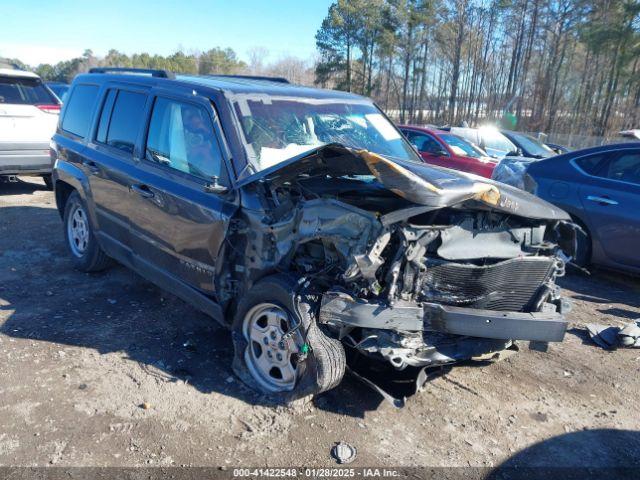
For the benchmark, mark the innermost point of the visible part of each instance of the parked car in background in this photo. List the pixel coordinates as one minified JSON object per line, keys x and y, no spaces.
{"x":445,"y":149}
{"x":60,"y":89}
{"x":28,"y":117}
{"x":633,"y":133}
{"x":510,"y":170}
{"x":600,"y":188}
{"x":528,"y":146}
{"x":303,"y":221}
{"x":559,"y":149}
{"x":488,"y":139}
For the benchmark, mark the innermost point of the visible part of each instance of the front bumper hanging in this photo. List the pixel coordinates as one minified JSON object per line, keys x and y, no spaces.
{"x":341,"y":310}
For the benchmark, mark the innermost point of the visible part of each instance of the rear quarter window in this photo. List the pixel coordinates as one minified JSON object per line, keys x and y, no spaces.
{"x":79,"y":109}
{"x":625,"y":168}
{"x":25,"y":91}
{"x":591,"y":164}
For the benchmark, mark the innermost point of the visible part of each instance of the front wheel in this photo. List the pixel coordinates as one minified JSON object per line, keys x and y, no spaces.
{"x":85,"y":252}
{"x":279,"y":348}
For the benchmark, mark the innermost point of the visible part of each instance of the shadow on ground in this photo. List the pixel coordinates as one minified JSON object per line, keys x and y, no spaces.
{"x":623,"y":289}
{"x":22,"y":187}
{"x":118,"y":311}
{"x":588,"y":454}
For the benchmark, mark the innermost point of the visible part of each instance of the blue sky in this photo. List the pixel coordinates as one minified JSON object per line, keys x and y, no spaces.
{"x":49,"y":31}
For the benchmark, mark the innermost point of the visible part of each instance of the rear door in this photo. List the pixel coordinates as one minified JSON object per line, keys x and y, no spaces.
{"x":110,"y":158}
{"x":611,"y":200}
{"x":177,"y":225}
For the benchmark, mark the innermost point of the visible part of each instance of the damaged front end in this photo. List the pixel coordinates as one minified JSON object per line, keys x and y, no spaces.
{"x":411,"y":264}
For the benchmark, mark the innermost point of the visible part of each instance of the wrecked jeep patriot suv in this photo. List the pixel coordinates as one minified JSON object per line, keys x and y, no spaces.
{"x":305,"y":222}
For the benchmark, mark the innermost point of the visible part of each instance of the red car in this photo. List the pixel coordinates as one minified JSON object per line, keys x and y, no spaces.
{"x":448,"y":150}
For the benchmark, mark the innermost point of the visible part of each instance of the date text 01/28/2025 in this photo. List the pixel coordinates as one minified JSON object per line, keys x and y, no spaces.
{"x":316,"y":472}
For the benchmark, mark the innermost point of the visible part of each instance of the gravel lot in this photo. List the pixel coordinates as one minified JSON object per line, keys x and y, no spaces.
{"x":81,"y":354}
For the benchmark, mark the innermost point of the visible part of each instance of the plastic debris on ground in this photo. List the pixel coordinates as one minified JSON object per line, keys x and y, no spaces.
{"x":343,"y":452}
{"x":614,"y":337}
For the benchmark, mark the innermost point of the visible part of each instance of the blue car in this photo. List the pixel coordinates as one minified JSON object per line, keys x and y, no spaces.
{"x":60,"y":89}
{"x":600,"y":188}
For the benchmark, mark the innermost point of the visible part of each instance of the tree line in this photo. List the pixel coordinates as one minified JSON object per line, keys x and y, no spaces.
{"x":554,"y":66}
{"x":563,"y":66}
{"x":214,"y":61}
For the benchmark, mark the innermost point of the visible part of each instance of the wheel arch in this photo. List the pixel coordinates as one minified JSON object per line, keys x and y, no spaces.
{"x":68,"y":178}
{"x":590,"y":247}
{"x":63,"y":191}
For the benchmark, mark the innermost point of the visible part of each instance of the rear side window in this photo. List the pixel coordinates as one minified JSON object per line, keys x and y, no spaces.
{"x":181,"y":137}
{"x":124,"y":122}
{"x":590,"y":164}
{"x":25,"y":91}
{"x":105,"y":116}
{"x":79,"y":109}
{"x":625,"y":168}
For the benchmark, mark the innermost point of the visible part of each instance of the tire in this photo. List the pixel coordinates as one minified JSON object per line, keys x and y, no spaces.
{"x":86,"y":254}
{"x":272,"y":301}
{"x":48,"y":181}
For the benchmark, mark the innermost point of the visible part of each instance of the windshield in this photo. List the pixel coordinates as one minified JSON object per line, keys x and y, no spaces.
{"x":493,"y":139}
{"x":278,"y":128}
{"x":461,"y":147}
{"x":532,"y":146}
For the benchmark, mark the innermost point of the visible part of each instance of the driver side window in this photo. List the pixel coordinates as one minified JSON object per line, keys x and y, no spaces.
{"x":181,"y":137}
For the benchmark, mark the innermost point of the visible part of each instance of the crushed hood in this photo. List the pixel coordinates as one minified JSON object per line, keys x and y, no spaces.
{"x":419,"y":183}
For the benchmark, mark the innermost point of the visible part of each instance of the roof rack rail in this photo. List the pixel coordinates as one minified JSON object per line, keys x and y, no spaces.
{"x":135,"y":71}
{"x":253,"y":77}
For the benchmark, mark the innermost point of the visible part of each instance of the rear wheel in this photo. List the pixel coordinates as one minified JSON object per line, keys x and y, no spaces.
{"x":279,"y":348}
{"x":86,"y":254}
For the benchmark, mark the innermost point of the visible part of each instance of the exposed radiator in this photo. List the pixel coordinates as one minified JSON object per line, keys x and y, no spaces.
{"x":510,"y":285}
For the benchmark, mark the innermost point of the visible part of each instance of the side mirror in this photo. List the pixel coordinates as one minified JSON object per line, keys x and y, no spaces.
{"x":441,"y":153}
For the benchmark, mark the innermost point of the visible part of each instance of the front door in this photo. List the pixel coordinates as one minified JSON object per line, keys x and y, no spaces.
{"x":179,"y":222}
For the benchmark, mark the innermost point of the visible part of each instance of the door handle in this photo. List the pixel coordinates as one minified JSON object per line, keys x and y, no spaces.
{"x":602,"y":200}
{"x":142,"y":190}
{"x":91,"y":166}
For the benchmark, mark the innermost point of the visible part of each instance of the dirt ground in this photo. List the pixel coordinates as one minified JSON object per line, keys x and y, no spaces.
{"x":80,"y":354}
